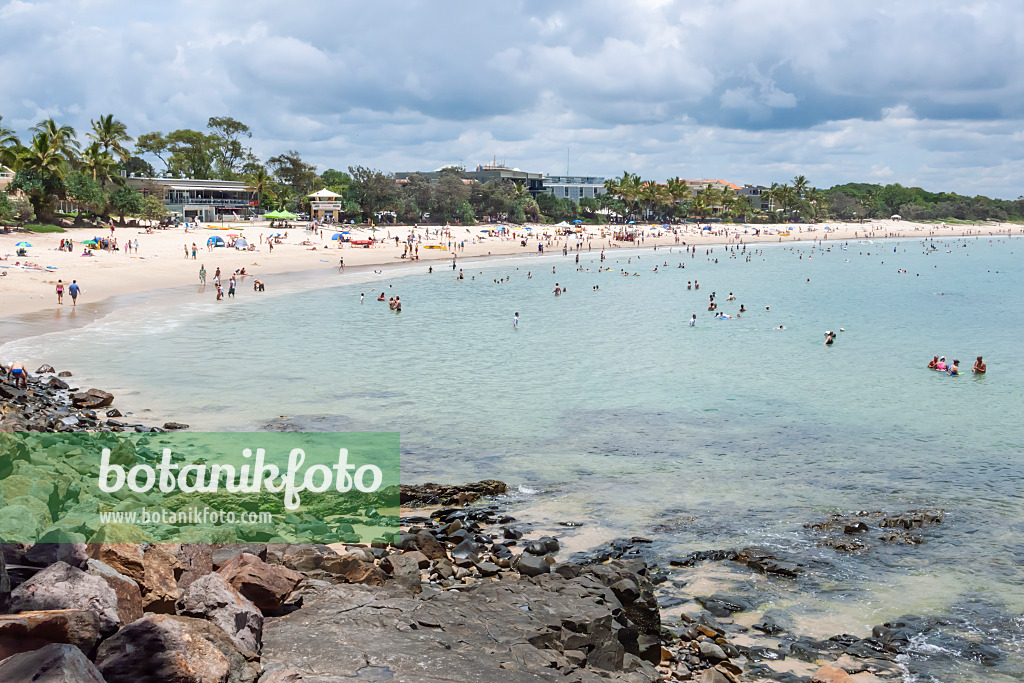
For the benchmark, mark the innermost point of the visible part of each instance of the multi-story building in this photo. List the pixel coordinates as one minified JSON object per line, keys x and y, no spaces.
{"x":696,"y":185}
{"x":6,"y":176}
{"x":208,"y":200}
{"x":325,"y":204}
{"x":533,"y":182}
{"x":573,"y":187}
{"x":754,"y":194}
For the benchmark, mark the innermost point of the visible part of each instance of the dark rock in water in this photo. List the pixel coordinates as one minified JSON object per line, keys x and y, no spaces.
{"x":986,"y":654}
{"x":772,"y":624}
{"x":856,"y":528}
{"x":570,"y":524}
{"x":53,"y":663}
{"x":45,"y":369}
{"x":902,"y":538}
{"x":722,"y":605}
{"x":61,"y":586}
{"x":439,"y":494}
{"x":93,"y":398}
{"x":180,"y":649}
{"x":914,"y":519}
{"x":30,"y":630}
{"x":114,"y":412}
{"x":57,"y":383}
{"x":532,"y":565}
{"x":759,"y":653}
{"x":174,"y":425}
{"x":64,"y":373}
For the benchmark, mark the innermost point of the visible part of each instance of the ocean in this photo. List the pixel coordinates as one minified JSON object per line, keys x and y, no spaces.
{"x":607,"y":409}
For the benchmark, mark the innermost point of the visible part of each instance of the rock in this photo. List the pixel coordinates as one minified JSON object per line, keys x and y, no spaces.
{"x":31,"y":630}
{"x":114,"y":412}
{"x":45,"y":369}
{"x":626,"y":590}
{"x":282,"y":676}
{"x":711,"y":652}
{"x":831,"y":674}
{"x":225,"y":553}
{"x":159,"y":581}
{"x":124,"y":558}
{"x":5,"y":586}
{"x":19,"y":523}
{"x":438,"y":494}
{"x":714,"y":676}
{"x":531,"y":565}
{"x":57,"y":383}
{"x":93,"y":398}
{"x":64,"y":373}
{"x":174,"y":425}
{"x":55,"y":663}
{"x":162,"y":647}
{"x":58,"y":546}
{"x":61,"y":586}
{"x":352,"y":569}
{"x":214,"y":599}
{"x":404,"y":568}
{"x":267,"y":586}
{"x":129,"y":595}
{"x":430,"y":546}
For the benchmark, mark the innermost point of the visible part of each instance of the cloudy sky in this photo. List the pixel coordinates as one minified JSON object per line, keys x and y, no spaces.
{"x":754,"y":91}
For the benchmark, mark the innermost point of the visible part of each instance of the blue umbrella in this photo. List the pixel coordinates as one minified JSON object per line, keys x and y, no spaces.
{"x":23,"y":244}
{"x":336,"y":236}
{"x":632,"y":222}
{"x":577,"y":222}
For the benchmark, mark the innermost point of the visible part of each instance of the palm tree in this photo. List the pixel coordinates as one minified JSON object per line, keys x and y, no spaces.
{"x":100,"y":164}
{"x":113,"y":135}
{"x":788,"y":198}
{"x":282,"y":194}
{"x":9,"y":145}
{"x":800,"y":185}
{"x":260,"y":182}
{"x":63,"y":138}
{"x":44,"y":155}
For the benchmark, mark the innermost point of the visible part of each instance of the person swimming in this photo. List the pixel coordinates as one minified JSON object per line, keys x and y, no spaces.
{"x":933,"y":363}
{"x":954,"y":369}
{"x":941,"y":365}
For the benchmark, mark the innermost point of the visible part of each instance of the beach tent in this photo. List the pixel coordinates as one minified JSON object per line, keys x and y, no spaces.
{"x":337,"y":236}
{"x":287,"y":215}
{"x":240,"y":243}
{"x":272,"y":215}
{"x":563,"y":224}
{"x":216,"y":241}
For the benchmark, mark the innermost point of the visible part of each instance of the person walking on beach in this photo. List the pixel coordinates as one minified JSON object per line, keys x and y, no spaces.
{"x":979,"y":367}
{"x":202,"y":275}
{"x":74,"y":290}
{"x":194,"y":250}
{"x":60,"y":292}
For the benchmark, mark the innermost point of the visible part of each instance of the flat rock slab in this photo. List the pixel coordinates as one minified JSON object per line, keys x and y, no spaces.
{"x":511,"y":631}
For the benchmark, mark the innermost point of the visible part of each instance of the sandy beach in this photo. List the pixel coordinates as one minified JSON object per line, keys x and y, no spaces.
{"x":160,"y":262}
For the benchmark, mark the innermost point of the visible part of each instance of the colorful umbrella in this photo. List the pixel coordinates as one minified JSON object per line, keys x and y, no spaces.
{"x":23,"y":244}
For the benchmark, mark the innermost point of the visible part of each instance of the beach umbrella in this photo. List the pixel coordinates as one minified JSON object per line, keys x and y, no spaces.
{"x":92,"y":241}
{"x":336,"y":236}
{"x":577,"y":222}
{"x":23,"y":244}
{"x":277,"y":234}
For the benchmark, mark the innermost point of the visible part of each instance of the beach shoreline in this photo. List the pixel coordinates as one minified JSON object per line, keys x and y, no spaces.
{"x":107,"y":277}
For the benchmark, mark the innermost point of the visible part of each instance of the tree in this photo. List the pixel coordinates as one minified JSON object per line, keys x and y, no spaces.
{"x":85,"y":192}
{"x":259,"y":181}
{"x":374,"y":190}
{"x":9,"y":145}
{"x":289,"y":169}
{"x":100,"y":165}
{"x":893,"y":197}
{"x":801,"y":185}
{"x":153,"y":143}
{"x":42,"y":167}
{"x":448,"y":195}
{"x":112,"y":135}
{"x":230,"y":152}
{"x":152,"y":208}
{"x":63,"y":139}
{"x":137,"y":166}
{"x":7,"y":211}
{"x":192,"y":153}
{"x":126,"y":201}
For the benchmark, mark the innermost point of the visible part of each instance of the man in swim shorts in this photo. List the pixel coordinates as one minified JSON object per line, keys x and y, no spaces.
{"x":19,"y":374}
{"x":979,"y":366}
{"x":74,"y":290}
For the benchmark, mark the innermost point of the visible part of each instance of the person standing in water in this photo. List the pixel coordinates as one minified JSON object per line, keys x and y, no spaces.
{"x":202,"y":275}
{"x":515,"y":321}
{"x":979,"y":366}
{"x":693,"y":320}
{"x":74,"y":290}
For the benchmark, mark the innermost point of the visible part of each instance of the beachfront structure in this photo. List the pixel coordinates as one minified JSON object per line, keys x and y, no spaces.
{"x":324,"y":204}
{"x":208,"y":200}
{"x":6,"y":176}
{"x":755,"y":195}
{"x":697,"y":185}
{"x":573,"y":187}
{"x":533,"y":182}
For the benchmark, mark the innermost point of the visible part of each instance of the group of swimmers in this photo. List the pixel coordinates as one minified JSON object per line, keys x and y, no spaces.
{"x":939,"y":363}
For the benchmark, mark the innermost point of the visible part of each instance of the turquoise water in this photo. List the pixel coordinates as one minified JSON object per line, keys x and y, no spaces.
{"x":606,"y":407}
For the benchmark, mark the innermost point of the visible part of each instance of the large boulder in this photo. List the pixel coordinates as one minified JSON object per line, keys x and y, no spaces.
{"x":351,"y":568}
{"x":162,"y":647}
{"x":32,"y":630}
{"x":53,"y":663}
{"x":92,"y":399}
{"x":124,"y":558}
{"x":129,"y":595}
{"x":160,"y":579}
{"x":61,"y":586}
{"x":196,"y":562}
{"x":5,"y":586}
{"x":214,"y":599}
{"x":266,"y":585}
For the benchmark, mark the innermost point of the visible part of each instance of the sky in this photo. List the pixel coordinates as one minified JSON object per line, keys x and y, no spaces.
{"x":927,"y":94}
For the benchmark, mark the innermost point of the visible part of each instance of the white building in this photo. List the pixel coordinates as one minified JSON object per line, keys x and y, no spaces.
{"x":573,"y":187}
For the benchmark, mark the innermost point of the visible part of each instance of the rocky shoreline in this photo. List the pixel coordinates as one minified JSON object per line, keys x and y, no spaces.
{"x":463,"y":593}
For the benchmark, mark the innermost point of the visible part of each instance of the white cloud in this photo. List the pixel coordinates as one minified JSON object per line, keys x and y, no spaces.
{"x":753,"y":90}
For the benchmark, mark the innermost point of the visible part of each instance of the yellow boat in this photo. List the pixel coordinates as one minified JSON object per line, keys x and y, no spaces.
{"x":435,"y":246}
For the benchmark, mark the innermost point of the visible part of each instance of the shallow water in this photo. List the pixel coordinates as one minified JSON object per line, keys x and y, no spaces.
{"x":618,"y":414}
